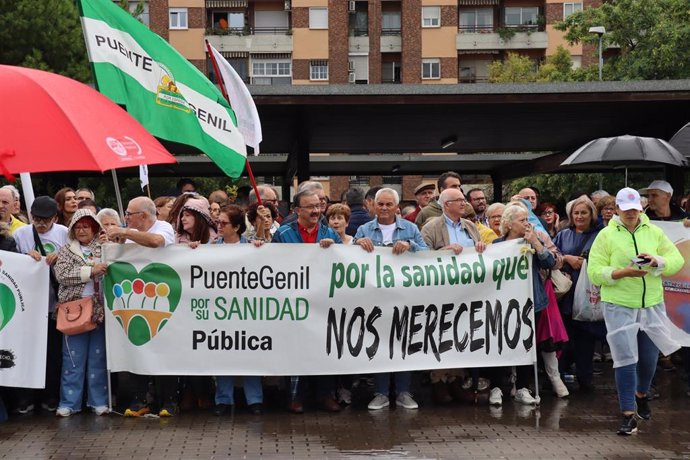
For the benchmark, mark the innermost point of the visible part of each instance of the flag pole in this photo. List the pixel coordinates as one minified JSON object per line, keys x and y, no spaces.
{"x":227,"y":98}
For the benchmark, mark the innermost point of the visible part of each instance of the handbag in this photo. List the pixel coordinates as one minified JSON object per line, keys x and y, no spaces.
{"x":75,"y":317}
{"x":561,"y":283}
{"x":551,"y":332}
{"x":587,"y":299}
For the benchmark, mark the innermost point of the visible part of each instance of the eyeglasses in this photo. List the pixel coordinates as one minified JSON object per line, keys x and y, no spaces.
{"x":495,"y":217}
{"x":547,"y":213}
{"x":222,"y":223}
{"x":459,"y":200}
{"x":130,"y":213}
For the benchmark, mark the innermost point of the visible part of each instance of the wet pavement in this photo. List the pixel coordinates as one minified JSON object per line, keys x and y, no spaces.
{"x":582,"y":426}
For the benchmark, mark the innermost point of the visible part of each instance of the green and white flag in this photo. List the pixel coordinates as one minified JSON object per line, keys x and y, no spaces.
{"x":161,"y":89}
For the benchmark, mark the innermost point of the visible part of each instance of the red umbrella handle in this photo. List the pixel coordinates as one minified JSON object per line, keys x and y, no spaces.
{"x":3,"y":169}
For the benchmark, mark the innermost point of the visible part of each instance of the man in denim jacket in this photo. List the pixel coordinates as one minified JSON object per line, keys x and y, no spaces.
{"x":388,"y":229}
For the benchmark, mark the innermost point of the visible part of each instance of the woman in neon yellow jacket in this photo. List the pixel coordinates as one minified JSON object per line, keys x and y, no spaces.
{"x":627,"y":260}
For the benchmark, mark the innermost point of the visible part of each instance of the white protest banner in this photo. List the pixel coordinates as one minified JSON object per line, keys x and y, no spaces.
{"x":23,"y":320}
{"x":285,"y":309}
{"x":677,"y":287}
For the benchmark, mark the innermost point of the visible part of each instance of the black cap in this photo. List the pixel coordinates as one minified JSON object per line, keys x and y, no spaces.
{"x":44,"y":207}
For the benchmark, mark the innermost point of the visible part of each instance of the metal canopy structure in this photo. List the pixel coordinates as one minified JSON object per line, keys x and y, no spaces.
{"x":503,"y":130}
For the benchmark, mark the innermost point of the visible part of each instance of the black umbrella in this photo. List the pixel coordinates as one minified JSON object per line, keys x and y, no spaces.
{"x":626,"y":151}
{"x":681,"y":140}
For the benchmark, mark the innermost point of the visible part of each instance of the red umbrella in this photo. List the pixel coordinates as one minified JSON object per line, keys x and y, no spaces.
{"x":53,"y":123}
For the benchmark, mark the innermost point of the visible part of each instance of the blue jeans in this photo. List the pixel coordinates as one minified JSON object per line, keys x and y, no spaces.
{"x":637,"y":376}
{"x":83,"y":355}
{"x":402,"y":382}
{"x":225,"y":390}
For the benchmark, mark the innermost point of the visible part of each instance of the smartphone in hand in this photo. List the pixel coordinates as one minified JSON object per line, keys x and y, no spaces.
{"x":641,"y":260}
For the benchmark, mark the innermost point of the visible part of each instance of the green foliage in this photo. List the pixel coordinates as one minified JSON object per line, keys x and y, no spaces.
{"x":557,"y":188}
{"x":652,"y":35}
{"x":43,"y":34}
{"x":515,"y":68}
{"x":557,"y":67}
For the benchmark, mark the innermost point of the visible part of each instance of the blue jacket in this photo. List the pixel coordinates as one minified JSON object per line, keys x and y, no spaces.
{"x":569,"y":242}
{"x":289,"y":233}
{"x":406,"y":231}
{"x":545,"y":260}
{"x":359,"y":217}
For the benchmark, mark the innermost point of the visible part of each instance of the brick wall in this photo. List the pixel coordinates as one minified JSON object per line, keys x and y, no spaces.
{"x":300,"y":18}
{"x":375,"y":18}
{"x":338,"y":185}
{"x":158,"y":17}
{"x":409,"y":183}
{"x":338,"y":43}
{"x":300,"y":69}
{"x":411,"y":71}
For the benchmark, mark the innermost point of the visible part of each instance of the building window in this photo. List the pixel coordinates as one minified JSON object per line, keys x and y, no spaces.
{"x":178,"y":18}
{"x":318,"y":70}
{"x":390,"y":24}
{"x":271,"y":69}
{"x":477,"y":20}
{"x":236,"y":20}
{"x":517,"y":16}
{"x":570,"y":8}
{"x":431,"y":16}
{"x":318,"y":18}
{"x":431,"y":69}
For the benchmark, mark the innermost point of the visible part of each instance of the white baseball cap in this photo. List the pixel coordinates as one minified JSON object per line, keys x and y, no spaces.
{"x":658,"y":185}
{"x":628,"y":198}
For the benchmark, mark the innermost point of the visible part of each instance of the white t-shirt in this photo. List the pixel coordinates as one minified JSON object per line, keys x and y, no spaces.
{"x":387,"y":231}
{"x":52,"y":240}
{"x":164,"y":229}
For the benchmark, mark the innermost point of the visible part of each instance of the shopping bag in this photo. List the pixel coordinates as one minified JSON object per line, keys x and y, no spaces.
{"x":587,"y":299}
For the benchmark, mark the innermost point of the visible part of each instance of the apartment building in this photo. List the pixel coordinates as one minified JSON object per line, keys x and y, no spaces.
{"x":321,"y":42}
{"x":316,"y":42}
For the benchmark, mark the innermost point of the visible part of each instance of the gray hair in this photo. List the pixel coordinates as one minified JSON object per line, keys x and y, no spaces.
{"x":310,"y":185}
{"x":600,"y":194}
{"x":444,"y":195}
{"x":494,"y":206}
{"x":262,"y":193}
{"x":109,"y":212}
{"x":396,"y":197}
{"x":85,"y":189}
{"x":146,"y":205}
{"x":509,"y":214}
{"x":13,"y":190}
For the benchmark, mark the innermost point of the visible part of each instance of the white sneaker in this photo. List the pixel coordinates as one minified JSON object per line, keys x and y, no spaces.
{"x":101,"y":410}
{"x":524,"y":396}
{"x":496,"y":397}
{"x":379,"y":402}
{"x":64,"y":412}
{"x":406,"y":401}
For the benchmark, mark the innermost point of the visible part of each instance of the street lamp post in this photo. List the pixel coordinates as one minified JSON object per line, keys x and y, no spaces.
{"x":600,"y":31}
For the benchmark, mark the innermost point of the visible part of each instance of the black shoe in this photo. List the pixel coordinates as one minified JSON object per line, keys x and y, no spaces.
{"x":256,"y":409}
{"x":628,"y":426}
{"x":653,"y":393}
{"x":222,"y":409}
{"x":643,"y":410}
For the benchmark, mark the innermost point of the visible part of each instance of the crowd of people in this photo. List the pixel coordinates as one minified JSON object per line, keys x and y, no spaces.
{"x":595,"y":230}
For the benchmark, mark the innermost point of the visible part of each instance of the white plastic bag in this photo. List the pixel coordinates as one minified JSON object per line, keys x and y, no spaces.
{"x":587,"y":299}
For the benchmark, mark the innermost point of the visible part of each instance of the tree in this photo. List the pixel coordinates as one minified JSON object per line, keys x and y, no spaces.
{"x":43,"y":34}
{"x":136,"y":12}
{"x":652,"y":36}
{"x":557,"y":67}
{"x":514,"y":69}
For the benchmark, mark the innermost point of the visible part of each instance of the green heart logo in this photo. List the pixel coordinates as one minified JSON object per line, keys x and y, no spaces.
{"x":7,"y":305}
{"x":142,"y":301}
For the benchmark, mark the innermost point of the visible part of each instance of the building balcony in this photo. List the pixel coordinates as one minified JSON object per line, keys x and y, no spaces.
{"x":501,"y":38}
{"x":391,"y":44}
{"x":251,"y":39}
{"x":359,"y":45}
